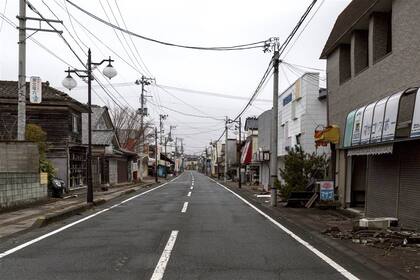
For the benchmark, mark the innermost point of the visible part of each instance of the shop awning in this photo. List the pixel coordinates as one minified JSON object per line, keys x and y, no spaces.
{"x":246,"y":156}
{"x":374,"y":150}
{"x":165,"y":158}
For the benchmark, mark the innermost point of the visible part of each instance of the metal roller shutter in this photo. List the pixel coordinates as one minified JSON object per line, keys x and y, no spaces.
{"x":382,"y":189}
{"x":409,"y":198}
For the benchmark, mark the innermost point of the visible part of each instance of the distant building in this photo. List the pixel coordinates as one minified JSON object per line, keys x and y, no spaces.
{"x":262,"y":152}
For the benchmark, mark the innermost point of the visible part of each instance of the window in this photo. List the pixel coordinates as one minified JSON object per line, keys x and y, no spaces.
{"x":405,"y":114}
{"x":380,"y":35}
{"x":359,"y":50}
{"x":344,"y":63}
{"x":298,"y":137}
{"x":75,"y":123}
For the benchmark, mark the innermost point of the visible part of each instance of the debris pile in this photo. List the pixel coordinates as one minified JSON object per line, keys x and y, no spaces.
{"x":381,"y":238}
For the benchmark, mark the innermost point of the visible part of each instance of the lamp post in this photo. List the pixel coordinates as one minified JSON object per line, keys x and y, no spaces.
{"x":70,"y":83}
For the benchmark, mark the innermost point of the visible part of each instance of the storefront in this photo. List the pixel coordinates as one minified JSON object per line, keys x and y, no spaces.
{"x":382,"y":145}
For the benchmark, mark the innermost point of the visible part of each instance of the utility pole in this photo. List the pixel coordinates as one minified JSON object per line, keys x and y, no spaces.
{"x":274,"y":125}
{"x":21,"y":116}
{"x":21,"y":122}
{"x":240,"y":155}
{"x":156,"y":155}
{"x":144,"y":82}
{"x":226,"y":148}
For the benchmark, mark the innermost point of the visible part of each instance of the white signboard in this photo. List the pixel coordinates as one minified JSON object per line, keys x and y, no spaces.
{"x":378,"y":120}
{"x":35,"y":90}
{"x":390,"y":120}
{"x":415,"y":127}
{"x":367,"y":124}
{"x":357,"y":126}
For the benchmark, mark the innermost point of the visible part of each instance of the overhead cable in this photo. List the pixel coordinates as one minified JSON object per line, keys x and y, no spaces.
{"x":259,"y":44}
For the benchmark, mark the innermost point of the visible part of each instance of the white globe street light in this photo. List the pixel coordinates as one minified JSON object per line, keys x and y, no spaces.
{"x":109,"y":71}
{"x":69,"y":83}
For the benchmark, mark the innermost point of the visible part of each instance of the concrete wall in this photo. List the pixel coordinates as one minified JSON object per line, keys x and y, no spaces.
{"x":19,"y":174}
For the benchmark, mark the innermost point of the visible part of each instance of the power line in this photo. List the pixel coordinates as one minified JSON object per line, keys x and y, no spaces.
{"x":185,"y":114}
{"x":303,"y":29}
{"x":259,"y":44}
{"x":108,"y":93}
{"x":185,"y":103}
{"x":257,"y":90}
{"x":296,"y":28}
{"x":4,"y":12}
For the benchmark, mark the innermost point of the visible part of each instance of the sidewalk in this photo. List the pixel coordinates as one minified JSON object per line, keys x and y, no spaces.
{"x":38,"y":215}
{"x":403,"y":261}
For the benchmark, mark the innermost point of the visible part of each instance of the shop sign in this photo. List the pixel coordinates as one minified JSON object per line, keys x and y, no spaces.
{"x":415,"y":127}
{"x":357,"y":126}
{"x":367,"y":124}
{"x":326,"y":190}
{"x":35,"y":90}
{"x":378,"y":120}
{"x":349,"y":129}
{"x":287,"y":99}
{"x":390,"y":120}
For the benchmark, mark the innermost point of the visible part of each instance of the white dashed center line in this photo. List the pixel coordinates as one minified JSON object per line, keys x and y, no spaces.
{"x":164,"y":258}
{"x":184,"y":208}
{"x":192,"y":187}
{"x":189,"y":194}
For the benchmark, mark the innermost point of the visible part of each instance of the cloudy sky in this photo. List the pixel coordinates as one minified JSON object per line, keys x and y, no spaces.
{"x":188,"y":81}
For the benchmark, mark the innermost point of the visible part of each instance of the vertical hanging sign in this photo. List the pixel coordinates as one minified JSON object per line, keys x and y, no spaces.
{"x":35,"y":90}
{"x":357,"y":126}
{"x":415,"y":127}
{"x":390,"y":120}
{"x":348,"y":134}
{"x":378,"y":120}
{"x":367,"y":124}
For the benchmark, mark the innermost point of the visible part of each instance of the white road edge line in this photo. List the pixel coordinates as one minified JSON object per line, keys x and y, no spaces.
{"x":184,"y":208}
{"x":189,"y":194}
{"x":164,"y":258}
{"x":33,"y":241}
{"x":321,"y":255}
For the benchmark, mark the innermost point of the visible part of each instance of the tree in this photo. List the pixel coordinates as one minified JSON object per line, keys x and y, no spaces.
{"x":128,"y":127}
{"x":300,"y":169}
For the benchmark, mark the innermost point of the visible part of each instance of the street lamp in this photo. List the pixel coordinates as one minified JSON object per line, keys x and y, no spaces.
{"x":70,"y":83}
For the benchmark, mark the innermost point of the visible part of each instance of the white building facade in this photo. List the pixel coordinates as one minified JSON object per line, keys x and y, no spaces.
{"x":301,"y":110}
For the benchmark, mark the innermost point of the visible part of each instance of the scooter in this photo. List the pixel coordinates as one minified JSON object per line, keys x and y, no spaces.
{"x":56,"y":188}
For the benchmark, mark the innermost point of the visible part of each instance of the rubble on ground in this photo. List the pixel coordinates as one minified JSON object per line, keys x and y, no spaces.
{"x":382,"y":238}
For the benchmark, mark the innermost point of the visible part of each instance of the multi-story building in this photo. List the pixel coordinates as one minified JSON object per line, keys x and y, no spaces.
{"x":373,"y":70}
{"x":302,"y":108}
{"x":262,"y":152}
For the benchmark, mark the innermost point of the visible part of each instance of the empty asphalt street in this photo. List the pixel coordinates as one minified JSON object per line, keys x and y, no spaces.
{"x":188,"y":228}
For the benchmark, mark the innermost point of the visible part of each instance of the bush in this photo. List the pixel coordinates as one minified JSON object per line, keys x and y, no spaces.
{"x":34,"y":133}
{"x":300,"y":169}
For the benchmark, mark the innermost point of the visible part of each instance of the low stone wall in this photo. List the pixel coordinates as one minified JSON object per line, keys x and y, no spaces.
{"x":20,"y":188}
{"x":19,"y":174}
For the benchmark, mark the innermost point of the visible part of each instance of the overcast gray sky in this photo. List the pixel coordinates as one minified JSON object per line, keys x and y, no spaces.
{"x":190,"y":22}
